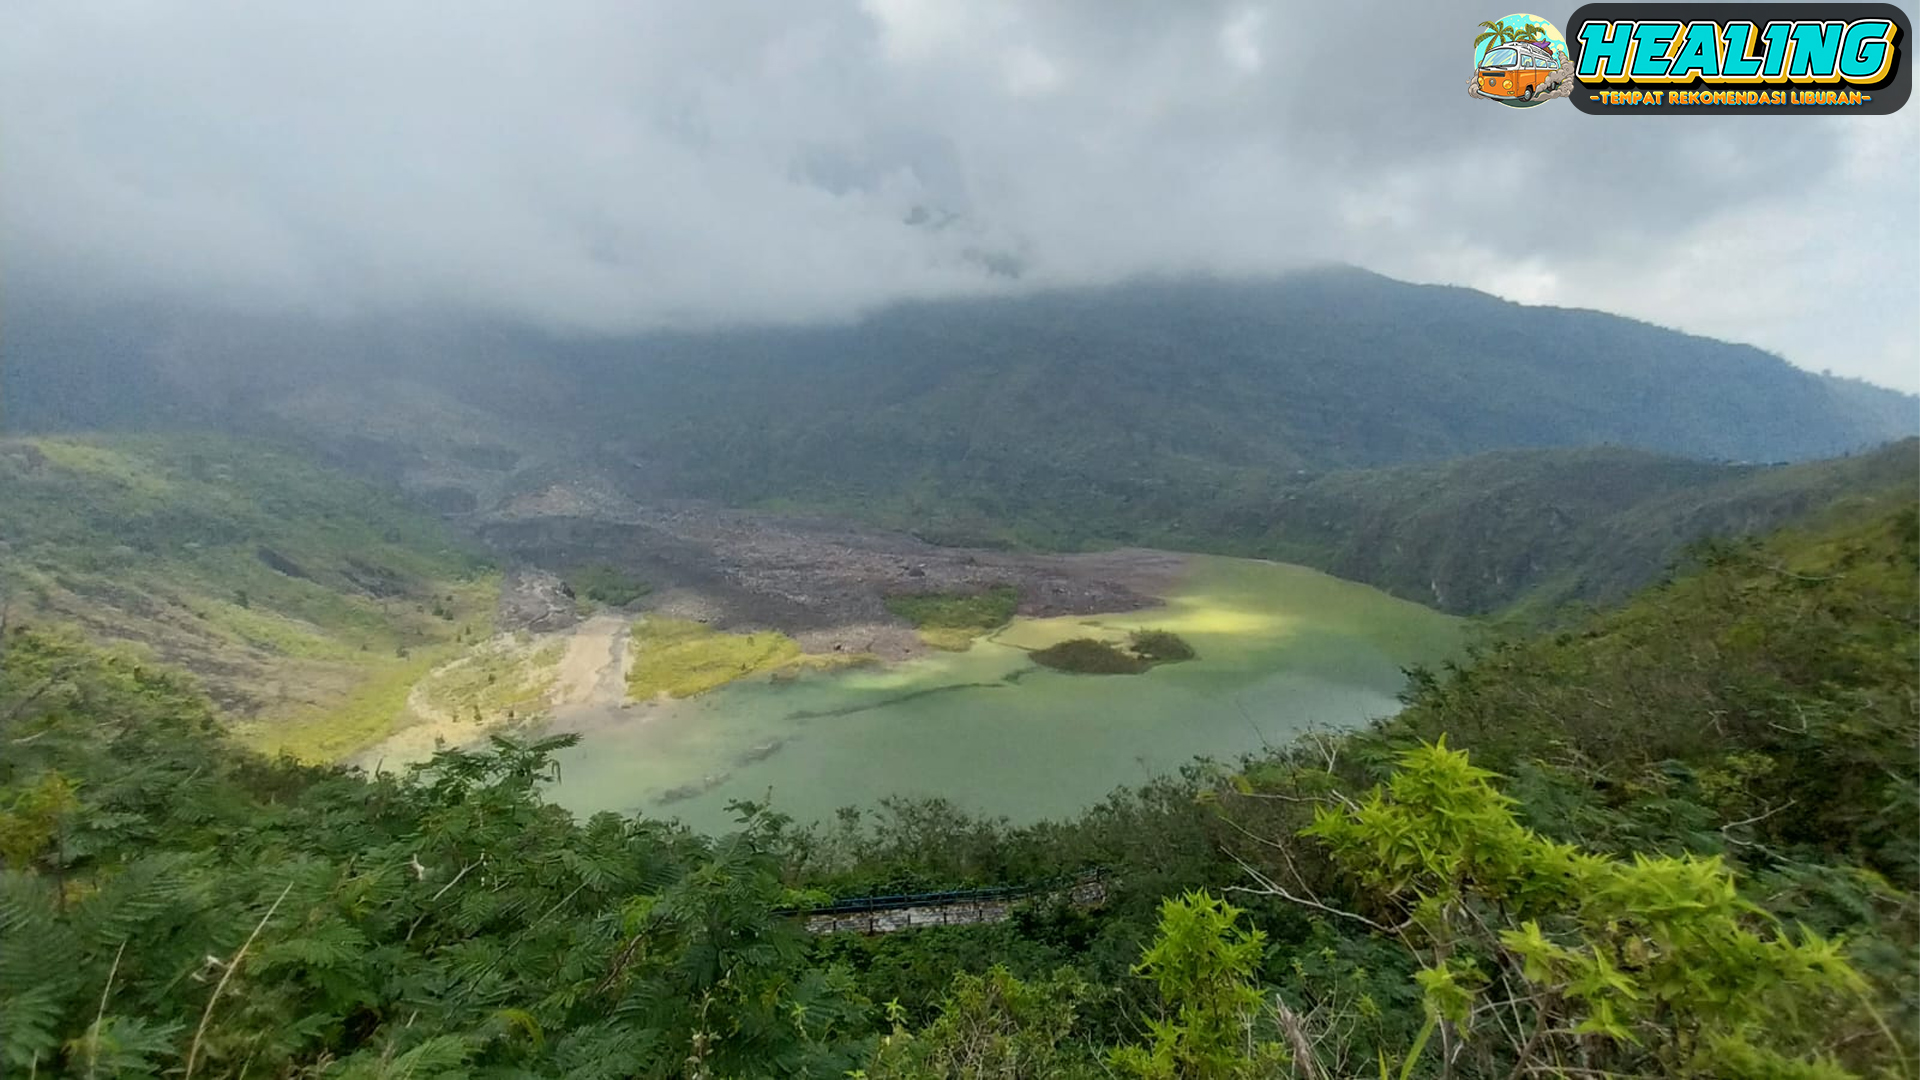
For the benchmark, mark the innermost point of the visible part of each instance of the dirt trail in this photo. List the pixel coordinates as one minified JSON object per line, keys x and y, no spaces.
{"x":592,"y":691}
{"x":590,"y":685}
{"x":593,"y":672}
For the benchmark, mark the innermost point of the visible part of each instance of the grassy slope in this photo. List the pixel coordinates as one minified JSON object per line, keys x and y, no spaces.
{"x":308,"y":602}
{"x":682,"y":658}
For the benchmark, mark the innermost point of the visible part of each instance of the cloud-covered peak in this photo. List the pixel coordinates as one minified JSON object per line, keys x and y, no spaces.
{"x":611,"y":167}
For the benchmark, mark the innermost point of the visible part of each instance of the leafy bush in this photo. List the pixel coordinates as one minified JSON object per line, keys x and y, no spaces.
{"x":1203,"y":965}
{"x":1160,"y":646}
{"x":604,"y":583}
{"x":1537,"y":953}
{"x":1091,"y":656}
{"x":990,"y":1027}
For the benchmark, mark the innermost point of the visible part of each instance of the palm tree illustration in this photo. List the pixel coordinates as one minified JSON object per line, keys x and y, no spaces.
{"x":1499,"y":33}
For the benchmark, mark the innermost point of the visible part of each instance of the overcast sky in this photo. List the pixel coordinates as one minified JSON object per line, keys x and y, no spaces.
{"x":612,"y":166}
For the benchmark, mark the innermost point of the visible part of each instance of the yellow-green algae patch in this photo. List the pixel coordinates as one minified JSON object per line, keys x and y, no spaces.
{"x":681,"y":658}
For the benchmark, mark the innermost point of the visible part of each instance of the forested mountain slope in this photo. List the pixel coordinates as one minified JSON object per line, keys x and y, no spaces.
{"x":1546,"y":527}
{"x":1239,"y":416}
{"x":1697,"y":859}
{"x":1118,"y":394}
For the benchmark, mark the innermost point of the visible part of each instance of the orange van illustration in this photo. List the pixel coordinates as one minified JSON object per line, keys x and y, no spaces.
{"x":1517,"y":69}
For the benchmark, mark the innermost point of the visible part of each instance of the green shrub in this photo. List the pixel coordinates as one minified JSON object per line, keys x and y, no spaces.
{"x":1160,"y":646}
{"x":1089,"y":656}
{"x":951,"y":621}
{"x":606,"y":584}
{"x":957,"y":611}
{"x":1655,"y":965}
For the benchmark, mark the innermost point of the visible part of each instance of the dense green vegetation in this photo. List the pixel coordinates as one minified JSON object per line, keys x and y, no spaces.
{"x":292,"y":590}
{"x":603,"y":583}
{"x":1320,"y":369}
{"x":1242,"y":444}
{"x":1534,"y":529}
{"x":1094,"y":656}
{"x":1676,"y":839}
{"x":953,"y":620}
{"x":1547,"y":527}
{"x":1090,"y":656}
{"x":1160,"y":646}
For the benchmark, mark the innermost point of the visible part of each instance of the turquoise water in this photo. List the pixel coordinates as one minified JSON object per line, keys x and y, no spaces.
{"x":1281,"y":649}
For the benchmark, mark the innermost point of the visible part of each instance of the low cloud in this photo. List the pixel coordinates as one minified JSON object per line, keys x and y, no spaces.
{"x":606,"y":167}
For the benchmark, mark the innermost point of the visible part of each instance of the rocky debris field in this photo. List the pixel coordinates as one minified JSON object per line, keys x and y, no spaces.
{"x":826,"y":582}
{"x":536,"y":600}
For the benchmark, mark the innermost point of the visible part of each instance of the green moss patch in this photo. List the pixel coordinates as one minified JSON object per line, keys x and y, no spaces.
{"x":952,"y":620}
{"x":681,"y":658}
{"x":606,"y":584}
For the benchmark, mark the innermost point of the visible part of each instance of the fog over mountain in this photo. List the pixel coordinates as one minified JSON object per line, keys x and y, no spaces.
{"x":601,"y":168}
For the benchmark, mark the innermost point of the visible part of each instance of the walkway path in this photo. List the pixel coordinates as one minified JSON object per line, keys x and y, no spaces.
{"x":887,"y":914}
{"x":593,"y":672}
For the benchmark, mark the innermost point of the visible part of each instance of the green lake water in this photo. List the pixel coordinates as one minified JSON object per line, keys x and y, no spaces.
{"x":1281,"y":649}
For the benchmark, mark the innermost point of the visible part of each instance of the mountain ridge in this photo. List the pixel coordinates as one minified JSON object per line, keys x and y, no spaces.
{"x":1245,"y":416}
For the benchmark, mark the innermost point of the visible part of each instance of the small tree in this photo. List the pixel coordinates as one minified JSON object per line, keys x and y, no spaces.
{"x":991,"y":1027}
{"x":1203,"y":966}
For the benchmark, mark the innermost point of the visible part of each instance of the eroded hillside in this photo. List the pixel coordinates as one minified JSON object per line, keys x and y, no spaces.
{"x":305,"y":600}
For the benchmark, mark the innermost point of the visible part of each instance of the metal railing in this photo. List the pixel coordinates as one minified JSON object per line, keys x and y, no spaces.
{"x":862,"y":904}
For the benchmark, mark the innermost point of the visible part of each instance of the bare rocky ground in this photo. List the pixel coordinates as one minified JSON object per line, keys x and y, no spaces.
{"x":824,"y":582}
{"x":536,"y":600}
{"x":547,"y":504}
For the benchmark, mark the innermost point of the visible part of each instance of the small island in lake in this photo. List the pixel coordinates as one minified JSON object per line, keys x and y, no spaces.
{"x":1092,"y":656}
